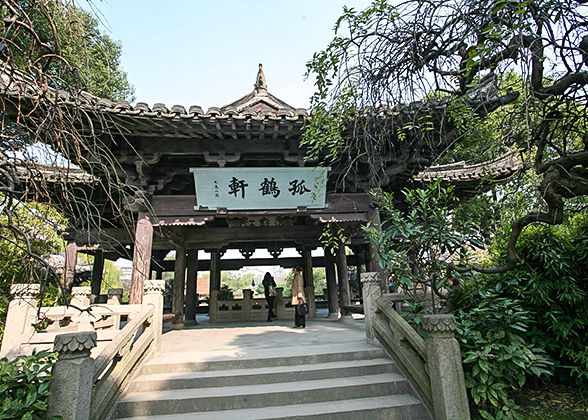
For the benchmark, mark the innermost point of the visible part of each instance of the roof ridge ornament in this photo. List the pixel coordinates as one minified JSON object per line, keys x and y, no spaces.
{"x":260,"y":85}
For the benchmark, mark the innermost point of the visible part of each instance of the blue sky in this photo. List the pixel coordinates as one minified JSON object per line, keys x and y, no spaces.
{"x":206,"y":52}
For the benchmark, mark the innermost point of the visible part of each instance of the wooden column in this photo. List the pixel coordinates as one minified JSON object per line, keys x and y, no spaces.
{"x":331,"y":284}
{"x":71,"y":256}
{"x":343,"y":278}
{"x":214,"y":271}
{"x":141,"y":260}
{"x":359,"y":269}
{"x":309,"y":283}
{"x":374,"y":256}
{"x":191,"y":288}
{"x":97,"y":270}
{"x":178,"y":289}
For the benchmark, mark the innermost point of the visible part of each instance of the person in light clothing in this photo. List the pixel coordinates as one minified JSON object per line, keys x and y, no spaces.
{"x":298,"y":297}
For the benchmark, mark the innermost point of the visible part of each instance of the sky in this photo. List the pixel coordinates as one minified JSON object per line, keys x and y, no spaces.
{"x":207,"y":52}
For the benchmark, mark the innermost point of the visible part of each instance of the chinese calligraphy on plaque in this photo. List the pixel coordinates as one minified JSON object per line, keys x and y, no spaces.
{"x":260,"y":188}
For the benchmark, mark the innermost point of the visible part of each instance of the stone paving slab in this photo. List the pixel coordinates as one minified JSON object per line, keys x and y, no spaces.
{"x":252,"y":337}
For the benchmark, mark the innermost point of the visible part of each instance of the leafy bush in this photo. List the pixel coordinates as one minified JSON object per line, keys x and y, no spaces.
{"x":24,"y":386}
{"x":552,"y":283}
{"x":416,"y":246}
{"x":496,"y":357}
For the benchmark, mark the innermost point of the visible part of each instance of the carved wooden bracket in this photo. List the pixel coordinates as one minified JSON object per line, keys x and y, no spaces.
{"x":222,"y":158}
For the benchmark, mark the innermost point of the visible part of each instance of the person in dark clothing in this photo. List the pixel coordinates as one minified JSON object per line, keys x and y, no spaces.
{"x":269,"y":288}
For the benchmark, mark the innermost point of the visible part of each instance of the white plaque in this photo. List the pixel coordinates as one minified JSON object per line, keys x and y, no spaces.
{"x":260,"y":188}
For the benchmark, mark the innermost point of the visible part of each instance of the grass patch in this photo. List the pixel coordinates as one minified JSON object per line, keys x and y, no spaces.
{"x":557,"y":402}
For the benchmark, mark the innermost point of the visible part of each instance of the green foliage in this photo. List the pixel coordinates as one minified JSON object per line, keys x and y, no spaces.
{"x":497,"y":359}
{"x":287,"y":285}
{"x":73,"y":52}
{"x":41,"y":224}
{"x":320,"y":280}
{"x":236,"y":282}
{"x":415,"y":247}
{"x":333,"y":237}
{"x":323,"y":132}
{"x":551,"y":280}
{"x":24,"y":386}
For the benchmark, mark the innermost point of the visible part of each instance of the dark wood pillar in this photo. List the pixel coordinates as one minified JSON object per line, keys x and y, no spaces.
{"x":71,"y":257}
{"x":141,"y":260}
{"x":191,"y":288}
{"x":97,"y":269}
{"x":343,"y":278}
{"x":331,"y":284}
{"x":309,"y":282}
{"x":374,"y":257}
{"x":214,"y":271}
{"x":179,"y":289}
{"x":359,"y":269}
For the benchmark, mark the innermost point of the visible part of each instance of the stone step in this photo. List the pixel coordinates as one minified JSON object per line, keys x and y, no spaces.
{"x":258,"y":376}
{"x":259,"y":396}
{"x":262,"y":358}
{"x":392,"y":407}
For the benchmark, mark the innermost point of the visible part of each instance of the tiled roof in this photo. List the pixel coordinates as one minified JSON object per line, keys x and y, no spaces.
{"x":498,"y":168}
{"x":257,"y":105}
{"x":54,"y":174}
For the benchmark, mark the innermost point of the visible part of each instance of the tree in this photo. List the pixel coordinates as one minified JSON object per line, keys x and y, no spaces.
{"x":54,"y":60}
{"x":420,"y":76}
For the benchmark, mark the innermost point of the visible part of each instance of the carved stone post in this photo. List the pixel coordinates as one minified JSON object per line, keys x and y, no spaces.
{"x":179,"y":289}
{"x":154,"y":296}
{"x":21,"y":315}
{"x":191,"y":285}
{"x":450,"y":401}
{"x":71,"y":376}
{"x":141,"y":259}
{"x":246,"y":311}
{"x":213,"y":306}
{"x":280,"y":303}
{"x":81,"y":296}
{"x":371,"y":292}
{"x":115,"y":296}
{"x":97,"y":269}
{"x":333,"y":300}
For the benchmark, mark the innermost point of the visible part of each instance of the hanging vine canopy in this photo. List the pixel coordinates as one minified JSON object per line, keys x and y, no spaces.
{"x":440,"y":58}
{"x":54,"y":63}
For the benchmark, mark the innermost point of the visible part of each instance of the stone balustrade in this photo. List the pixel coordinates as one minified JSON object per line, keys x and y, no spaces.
{"x":434,"y":366}
{"x":248,"y":308}
{"x":29,"y":327}
{"x":83,"y":387}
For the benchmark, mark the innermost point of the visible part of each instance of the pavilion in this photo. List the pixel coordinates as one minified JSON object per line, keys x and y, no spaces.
{"x":236,"y":177}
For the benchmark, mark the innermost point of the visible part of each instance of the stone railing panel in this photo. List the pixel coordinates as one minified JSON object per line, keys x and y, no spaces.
{"x":406,"y":346}
{"x":434,"y":366}
{"x":94,"y":393}
{"x":248,"y":308}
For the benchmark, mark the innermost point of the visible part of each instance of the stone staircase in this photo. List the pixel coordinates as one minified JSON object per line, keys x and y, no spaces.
{"x":335,"y":381}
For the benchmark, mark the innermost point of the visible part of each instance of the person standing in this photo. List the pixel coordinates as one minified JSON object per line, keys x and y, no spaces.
{"x":298,"y":297}
{"x":269,"y":288}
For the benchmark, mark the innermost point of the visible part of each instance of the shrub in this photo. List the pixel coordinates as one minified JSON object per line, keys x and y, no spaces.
{"x":24,"y":386}
{"x":551,"y":282}
{"x":496,"y":357}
